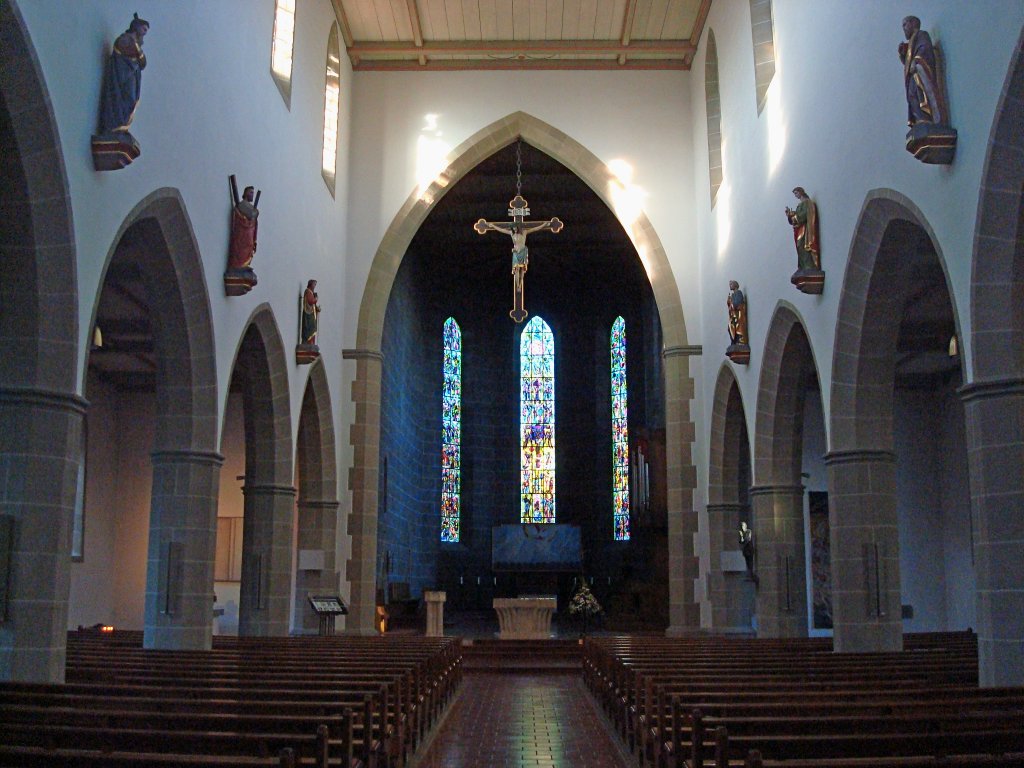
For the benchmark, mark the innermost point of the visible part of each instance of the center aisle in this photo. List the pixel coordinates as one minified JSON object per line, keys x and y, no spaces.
{"x":523,"y":721}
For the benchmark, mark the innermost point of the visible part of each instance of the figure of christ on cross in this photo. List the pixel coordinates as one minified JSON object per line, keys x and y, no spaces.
{"x":518,"y":229}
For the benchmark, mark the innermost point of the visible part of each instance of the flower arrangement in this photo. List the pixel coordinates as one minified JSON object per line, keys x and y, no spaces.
{"x":584,"y":603}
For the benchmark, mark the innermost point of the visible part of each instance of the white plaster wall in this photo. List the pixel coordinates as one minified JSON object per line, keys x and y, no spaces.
{"x":109,"y":585}
{"x":209,"y":108}
{"x":919,"y":470}
{"x":834,"y":124}
{"x":641,"y":118}
{"x":961,"y":579}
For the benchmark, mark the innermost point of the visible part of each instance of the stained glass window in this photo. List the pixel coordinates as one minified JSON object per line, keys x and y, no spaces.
{"x":451,"y":431}
{"x":537,"y":422}
{"x":620,"y":433}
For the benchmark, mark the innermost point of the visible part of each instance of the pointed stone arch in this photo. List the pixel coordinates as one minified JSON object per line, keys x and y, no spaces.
{"x":317,"y":506}
{"x":861,"y":461}
{"x":260,"y":373}
{"x":787,"y":369}
{"x":157,"y":237}
{"x":684,"y":612}
{"x":731,"y":591}
{"x":994,"y":400}
{"x":40,"y":412}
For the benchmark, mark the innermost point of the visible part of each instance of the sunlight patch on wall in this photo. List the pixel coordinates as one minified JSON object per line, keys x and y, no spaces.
{"x":431,"y":155}
{"x":723,"y":218}
{"x":777,"y":128}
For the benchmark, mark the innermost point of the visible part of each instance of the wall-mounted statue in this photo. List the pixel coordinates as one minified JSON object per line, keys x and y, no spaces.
{"x":306,"y":351}
{"x":739,"y":343}
{"x":804,"y":219}
{"x":746,"y":541}
{"x":113,"y":147}
{"x":239,"y":278}
{"x":930,"y":139}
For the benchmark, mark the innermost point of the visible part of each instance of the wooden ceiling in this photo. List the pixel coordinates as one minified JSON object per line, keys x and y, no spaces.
{"x":521,"y":34}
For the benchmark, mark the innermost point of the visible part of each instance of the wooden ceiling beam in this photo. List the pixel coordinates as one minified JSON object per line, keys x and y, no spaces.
{"x":627,"y":22}
{"x":522,"y":48}
{"x":447,"y":65}
{"x":346,"y":30}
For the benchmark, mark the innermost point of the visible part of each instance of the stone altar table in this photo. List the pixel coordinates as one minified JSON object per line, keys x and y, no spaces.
{"x":525,"y":618}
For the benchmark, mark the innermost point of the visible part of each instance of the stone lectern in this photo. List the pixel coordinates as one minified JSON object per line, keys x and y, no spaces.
{"x":525,"y":618}
{"x":435,"y":612}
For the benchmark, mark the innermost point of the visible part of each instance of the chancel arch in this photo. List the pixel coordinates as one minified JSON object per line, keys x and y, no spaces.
{"x":258,"y":393}
{"x":897,"y":435}
{"x":994,"y":399}
{"x":317,"y":507}
{"x":151,"y":375}
{"x":366,"y":476}
{"x":40,"y":412}
{"x":730,"y":578}
{"x":789,"y":379}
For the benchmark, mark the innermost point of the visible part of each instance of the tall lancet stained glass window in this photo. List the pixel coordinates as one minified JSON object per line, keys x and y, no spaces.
{"x":537,"y":422}
{"x":620,"y":433}
{"x":451,"y":431}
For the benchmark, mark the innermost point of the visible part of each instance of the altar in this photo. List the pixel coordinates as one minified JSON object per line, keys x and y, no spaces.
{"x":525,"y":618}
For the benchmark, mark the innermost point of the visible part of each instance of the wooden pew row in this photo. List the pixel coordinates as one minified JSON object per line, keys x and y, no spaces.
{"x":433,"y":666}
{"x":246,"y":708}
{"x":638,"y":682}
{"x":992,"y":731}
{"x":231,"y":691}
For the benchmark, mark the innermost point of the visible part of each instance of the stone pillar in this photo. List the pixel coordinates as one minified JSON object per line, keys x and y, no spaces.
{"x":729,"y":585}
{"x":994,"y":412}
{"x":316,"y":531}
{"x":182,"y":549}
{"x":865,"y":550}
{"x":683,"y":564}
{"x":364,"y":477}
{"x":435,"y":613}
{"x":40,"y":453}
{"x":779,"y":560}
{"x":266,"y":560}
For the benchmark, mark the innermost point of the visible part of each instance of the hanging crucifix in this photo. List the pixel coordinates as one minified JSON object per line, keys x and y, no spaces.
{"x":518,"y":229}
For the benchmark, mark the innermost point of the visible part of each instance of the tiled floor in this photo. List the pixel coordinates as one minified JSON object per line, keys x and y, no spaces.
{"x":523,"y":721}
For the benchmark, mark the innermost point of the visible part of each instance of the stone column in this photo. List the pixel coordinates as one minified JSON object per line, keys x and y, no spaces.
{"x":364,"y":436}
{"x":994,"y":412}
{"x":779,"y":560}
{"x":730,"y":587}
{"x":865,"y":551}
{"x":435,"y":612}
{"x":40,"y":453}
{"x":266,"y":560}
{"x":182,"y":549}
{"x":683,"y":564}
{"x":316,"y":531}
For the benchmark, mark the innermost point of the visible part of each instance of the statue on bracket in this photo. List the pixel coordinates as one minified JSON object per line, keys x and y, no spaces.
{"x":239,"y":278}
{"x":739,"y":343}
{"x":930,"y":139}
{"x":746,"y":540}
{"x":808,"y":276}
{"x":113,"y":147}
{"x":306,"y":351}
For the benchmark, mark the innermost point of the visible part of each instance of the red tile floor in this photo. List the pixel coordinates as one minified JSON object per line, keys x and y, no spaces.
{"x":523,"y":721}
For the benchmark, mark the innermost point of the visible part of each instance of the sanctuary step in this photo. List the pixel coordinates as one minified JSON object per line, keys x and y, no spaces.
{"x":521,"y":656}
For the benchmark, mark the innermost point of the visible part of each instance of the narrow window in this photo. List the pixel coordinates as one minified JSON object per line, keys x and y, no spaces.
{"x":451,"y":431}
{"x":332,"y":100}
{"x":764,"y":48}
{"x":281,"y":51}
{"x":620,"y":433}
{"x":537,"y":422}
{"x":714,"y":109}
